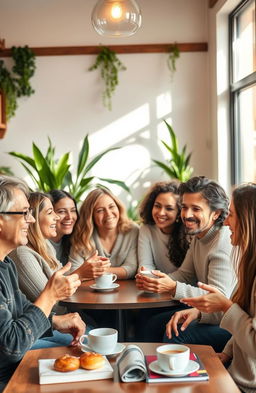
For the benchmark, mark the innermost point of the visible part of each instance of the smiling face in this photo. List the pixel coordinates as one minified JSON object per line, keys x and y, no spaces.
{"x":14,"y":228}
{"x":106,"y":214}
{"x":164,"y":211}
{"x":66,"y":210}
{"x":196,"y":214}
{"x":48,"y":219}
{"x":232,"y":222}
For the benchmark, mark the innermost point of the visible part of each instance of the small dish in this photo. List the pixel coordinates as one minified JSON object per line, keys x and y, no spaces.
{"x":191,"y":368}
{"x":100,"y":289}
{"x":118,"y":349}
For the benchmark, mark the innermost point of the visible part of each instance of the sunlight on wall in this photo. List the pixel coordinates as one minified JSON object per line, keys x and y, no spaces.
{"x":119,"y":130}
{"x":132,"y":159}
{"x":163,"y":105}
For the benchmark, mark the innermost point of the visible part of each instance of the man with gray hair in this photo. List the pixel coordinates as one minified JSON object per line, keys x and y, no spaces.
{"x":22,"y":323}
{"x":204,"y":207}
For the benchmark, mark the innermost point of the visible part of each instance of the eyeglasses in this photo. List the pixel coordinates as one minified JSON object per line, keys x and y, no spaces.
{"x":25,"y":213}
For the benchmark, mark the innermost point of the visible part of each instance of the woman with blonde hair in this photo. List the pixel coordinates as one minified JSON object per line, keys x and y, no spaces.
{"x":239,"y":312}
{"x":104,"y":228}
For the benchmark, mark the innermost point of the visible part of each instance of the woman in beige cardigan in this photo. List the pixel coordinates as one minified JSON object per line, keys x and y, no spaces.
{"x":239,"y":312}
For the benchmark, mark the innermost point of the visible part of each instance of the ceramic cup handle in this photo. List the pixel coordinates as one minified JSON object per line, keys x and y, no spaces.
{"x":114,"y":277}
{"x":172,"y":363}
{"x":81,"y":338}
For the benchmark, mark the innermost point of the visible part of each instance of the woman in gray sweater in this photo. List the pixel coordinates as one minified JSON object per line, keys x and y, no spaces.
{"x":162,"y":243}
{"x":239,"y":312}
{"x":103,"y":227}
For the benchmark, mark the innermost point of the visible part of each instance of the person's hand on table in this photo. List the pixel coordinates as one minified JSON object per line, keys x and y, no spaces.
{"x":213,"y":301}
{"x":69,"y":323}
{"x":162,"y":282}
{"x":184,"y":317}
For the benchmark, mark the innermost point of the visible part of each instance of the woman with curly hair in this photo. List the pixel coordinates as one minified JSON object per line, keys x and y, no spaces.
{"x":103,"y":228}
{"x":162,"y":241}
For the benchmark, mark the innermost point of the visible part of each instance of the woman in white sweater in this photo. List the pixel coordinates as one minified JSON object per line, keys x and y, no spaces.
{"x":162,"y":241}
{"x":239,"y":312}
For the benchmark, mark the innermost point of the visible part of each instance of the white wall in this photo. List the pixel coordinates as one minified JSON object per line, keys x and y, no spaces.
{"x":67,"y":102}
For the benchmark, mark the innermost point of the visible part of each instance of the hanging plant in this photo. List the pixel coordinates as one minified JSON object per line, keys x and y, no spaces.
{"x":174,"y":54}
{"x":17,"y":83}
{"x":109,"y":65}
{"x":24,"y":67}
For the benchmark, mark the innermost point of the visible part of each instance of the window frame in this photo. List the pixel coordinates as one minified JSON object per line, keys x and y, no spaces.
{"x":235,"y":90}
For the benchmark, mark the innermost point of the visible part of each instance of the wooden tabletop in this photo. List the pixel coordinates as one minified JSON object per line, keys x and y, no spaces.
{"x":26,"y":379}
{"x":126,"y":296}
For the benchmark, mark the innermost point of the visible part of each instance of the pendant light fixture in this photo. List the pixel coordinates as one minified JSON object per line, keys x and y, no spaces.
{"x":116,"y":18}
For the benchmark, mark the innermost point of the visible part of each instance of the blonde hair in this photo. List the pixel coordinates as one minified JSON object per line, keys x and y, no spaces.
{"x":82,"y":236}
{"x":244,"y":198}
{"x":36,"y":240}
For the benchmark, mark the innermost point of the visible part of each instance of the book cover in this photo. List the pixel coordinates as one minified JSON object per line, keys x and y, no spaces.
{"x":48,"y":375}
{"x":199,"y":375}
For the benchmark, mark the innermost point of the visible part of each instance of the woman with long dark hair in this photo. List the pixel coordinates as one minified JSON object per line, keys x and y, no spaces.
{"x":65,"y":207}
{"x":162,"y":241}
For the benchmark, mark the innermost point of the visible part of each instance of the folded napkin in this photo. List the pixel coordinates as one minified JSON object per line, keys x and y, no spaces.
{"x":131,"y":364}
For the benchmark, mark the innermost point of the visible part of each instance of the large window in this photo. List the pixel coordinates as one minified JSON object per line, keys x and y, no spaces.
{"x":243,"y":92}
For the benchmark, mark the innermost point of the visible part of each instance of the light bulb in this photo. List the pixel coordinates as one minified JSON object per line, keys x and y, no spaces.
{"x":116,"y":18}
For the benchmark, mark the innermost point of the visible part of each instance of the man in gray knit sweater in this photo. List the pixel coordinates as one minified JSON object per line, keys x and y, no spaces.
{"x":204,"y":207}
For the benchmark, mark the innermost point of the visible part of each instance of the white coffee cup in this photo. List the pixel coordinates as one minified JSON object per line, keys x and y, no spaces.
{"x":106,"y":280}
{"x":173,"y":357}
{"x":102,"y":340}
{"x":148,"y":273}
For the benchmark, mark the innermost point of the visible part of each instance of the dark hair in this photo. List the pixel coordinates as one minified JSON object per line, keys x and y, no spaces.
{"x":211,"y":191}
{"x":244,"y":199}
{"x":56,"y":196}
{"x":178,"y":243}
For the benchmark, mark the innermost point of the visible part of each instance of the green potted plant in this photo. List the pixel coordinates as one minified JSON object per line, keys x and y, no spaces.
{"x":177,"y":166}
{"x":174,"y":54}
{"x":49,"y":172}
{"x":16,"y":83}
{"x":109,"y":65}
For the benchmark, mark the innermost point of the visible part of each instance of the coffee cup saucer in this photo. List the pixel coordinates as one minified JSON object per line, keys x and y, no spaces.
{"x":191,"y":368}
{"x":118,"y":349}
{"x":104,"y":289}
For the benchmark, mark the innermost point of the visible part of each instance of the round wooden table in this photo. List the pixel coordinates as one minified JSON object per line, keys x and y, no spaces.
{"x":125,"y":297}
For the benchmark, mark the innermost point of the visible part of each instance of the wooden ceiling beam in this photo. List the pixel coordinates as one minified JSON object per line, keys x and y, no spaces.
{"x":91,"y":50}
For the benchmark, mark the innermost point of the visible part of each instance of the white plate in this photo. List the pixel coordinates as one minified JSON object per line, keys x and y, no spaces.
{"x":118,"y":349}
{"x":191,"y":368}
{"x":96,"y":288}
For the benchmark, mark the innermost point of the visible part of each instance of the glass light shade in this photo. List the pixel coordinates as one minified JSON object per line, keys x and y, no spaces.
{"x":116,"y":18}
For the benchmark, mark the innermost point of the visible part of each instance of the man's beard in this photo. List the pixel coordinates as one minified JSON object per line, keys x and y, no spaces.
{"x":190,"y":231}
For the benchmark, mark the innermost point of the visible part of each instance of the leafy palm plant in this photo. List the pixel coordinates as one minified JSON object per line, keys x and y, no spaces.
{"x":177,"y":166}
{"x":49,"y":173}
